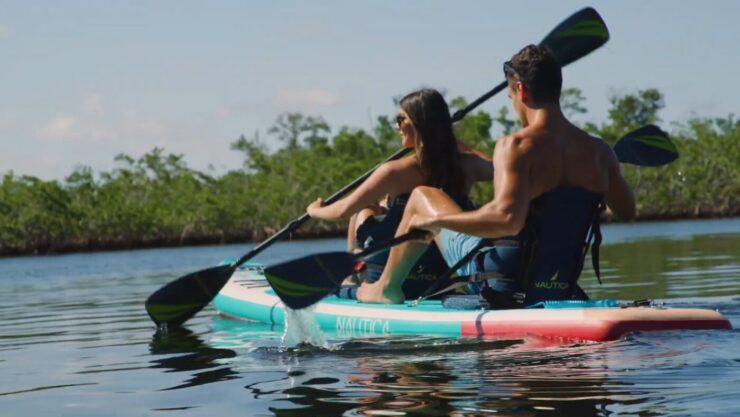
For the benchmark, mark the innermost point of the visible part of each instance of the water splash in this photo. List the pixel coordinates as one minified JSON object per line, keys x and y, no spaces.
{"x":301,"y":327}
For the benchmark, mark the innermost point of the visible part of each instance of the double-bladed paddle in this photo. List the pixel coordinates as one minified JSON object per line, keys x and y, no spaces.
{"x":575,"y":37}
{"x":647,"y":146}
{"x":304,"y":281}
{"x":174,"y":303}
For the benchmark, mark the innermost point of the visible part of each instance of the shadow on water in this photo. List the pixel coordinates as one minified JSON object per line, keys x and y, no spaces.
{"x":186,"y":352}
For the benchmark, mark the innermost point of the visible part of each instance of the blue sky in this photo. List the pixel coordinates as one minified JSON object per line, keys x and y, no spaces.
{"x":82,"y":81}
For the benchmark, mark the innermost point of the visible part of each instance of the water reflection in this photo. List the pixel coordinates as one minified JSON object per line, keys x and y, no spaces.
{"x":444,"y":378}
{"x":190,"y":354}
{"x":438,"y":377}
{"x":75,"y":340}
{"x":696,"y":266}
{"x":419,"y":376}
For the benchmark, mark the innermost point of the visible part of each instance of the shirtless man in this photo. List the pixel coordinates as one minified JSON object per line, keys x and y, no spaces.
{"x":550,"y":178}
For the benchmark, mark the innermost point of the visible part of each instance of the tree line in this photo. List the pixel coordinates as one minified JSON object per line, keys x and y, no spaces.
{"x":157,"y":200}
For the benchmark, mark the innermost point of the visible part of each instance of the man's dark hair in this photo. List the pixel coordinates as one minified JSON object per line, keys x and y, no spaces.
{"x":539,"y":71}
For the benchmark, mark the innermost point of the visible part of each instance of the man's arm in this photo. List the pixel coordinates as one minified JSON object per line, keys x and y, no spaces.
{"x":619,"y":198}
{"x":506,"y":213}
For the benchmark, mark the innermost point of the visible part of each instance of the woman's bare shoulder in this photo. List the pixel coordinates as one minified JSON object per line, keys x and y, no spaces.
{"x":402,"y":165}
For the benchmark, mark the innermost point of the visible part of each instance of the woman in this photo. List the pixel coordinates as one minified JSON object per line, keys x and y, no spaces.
{"x":439,"y":161}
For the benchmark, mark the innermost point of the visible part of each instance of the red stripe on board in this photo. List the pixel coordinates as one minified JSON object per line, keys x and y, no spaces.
{"x":596,"y":330}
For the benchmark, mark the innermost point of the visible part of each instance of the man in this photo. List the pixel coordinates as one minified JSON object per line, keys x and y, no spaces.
{"x":550,"y":179}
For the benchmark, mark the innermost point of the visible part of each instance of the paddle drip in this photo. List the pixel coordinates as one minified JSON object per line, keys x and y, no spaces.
{"x":301,"y":327}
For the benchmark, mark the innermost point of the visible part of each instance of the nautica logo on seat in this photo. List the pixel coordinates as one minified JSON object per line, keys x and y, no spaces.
{"x":552,"y":284}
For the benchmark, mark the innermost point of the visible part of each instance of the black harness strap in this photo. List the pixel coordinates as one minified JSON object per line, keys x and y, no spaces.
{"x":596,"y":227}
{"x":465,"y":259}
{"x":594,"y":240}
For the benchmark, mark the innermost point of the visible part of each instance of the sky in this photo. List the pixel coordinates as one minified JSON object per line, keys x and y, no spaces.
{"x":82,"y":81}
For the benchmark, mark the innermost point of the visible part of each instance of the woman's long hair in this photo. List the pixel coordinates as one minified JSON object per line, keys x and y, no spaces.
{"x":436,"y":146}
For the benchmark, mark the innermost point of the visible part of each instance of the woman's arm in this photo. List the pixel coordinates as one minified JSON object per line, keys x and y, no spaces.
{"x":389,"y":178}
{"x":478,"y":165}
{"x":482,"y":169}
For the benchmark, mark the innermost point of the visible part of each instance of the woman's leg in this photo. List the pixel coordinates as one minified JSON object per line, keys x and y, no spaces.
{"x":387,"y":290}
{"x":352,"y":234}
{"x":354,"y":223}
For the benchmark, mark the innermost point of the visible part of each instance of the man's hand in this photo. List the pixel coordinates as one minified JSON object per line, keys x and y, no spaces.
{"x":423,"y":222}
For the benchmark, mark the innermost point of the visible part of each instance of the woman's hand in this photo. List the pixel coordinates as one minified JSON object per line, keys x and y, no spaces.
{"x":314,"y":207}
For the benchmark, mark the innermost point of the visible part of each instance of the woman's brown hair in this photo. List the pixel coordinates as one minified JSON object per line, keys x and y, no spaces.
{"x":436,"y":145}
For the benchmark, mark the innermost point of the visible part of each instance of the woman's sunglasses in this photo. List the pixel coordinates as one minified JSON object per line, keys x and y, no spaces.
{"x":399,"y":119}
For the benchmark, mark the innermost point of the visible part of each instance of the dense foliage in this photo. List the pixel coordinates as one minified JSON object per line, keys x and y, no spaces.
{"x":157,"y":199}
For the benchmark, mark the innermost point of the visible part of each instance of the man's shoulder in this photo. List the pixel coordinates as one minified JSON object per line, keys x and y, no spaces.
{"x":599,"y":145}
{"x":518,"y":141}
{"x":516,"y":148}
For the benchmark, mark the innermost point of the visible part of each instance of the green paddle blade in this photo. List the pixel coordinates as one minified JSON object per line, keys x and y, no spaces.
{"x":647,"y":146}
{"x":304,"y":281}
{"x":577,"y":36}
{"x":179,"y":300}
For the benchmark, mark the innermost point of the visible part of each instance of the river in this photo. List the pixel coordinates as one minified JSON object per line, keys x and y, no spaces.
{"x":75,"y":341}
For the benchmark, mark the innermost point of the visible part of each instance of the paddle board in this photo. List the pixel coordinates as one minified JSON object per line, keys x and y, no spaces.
{"x":247,"y":296}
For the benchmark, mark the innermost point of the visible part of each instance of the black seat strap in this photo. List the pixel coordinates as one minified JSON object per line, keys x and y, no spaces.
{"x":596,"y":231}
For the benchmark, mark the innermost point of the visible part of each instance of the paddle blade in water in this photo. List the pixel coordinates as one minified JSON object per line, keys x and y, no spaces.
{"x":577,"y":36}
{"x":179,"y":300}
{"x":304,"y":281}
{"x":646,"y":146}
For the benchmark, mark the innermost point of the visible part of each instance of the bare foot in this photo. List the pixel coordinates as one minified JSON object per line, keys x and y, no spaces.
{"x":376,"y":293}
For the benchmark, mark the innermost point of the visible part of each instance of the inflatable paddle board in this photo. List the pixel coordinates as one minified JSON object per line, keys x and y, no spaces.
{"x":247,"y":296}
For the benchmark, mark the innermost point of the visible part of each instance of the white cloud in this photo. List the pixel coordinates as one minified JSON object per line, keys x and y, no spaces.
{"x":59,"y":128}
{"x":92,"y":131}
{"x":90,"y":124}
{"x":309,"y":97}
{"x":6,"y":31}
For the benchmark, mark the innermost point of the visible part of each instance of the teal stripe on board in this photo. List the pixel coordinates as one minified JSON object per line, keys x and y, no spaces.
{"x":342,"y":326}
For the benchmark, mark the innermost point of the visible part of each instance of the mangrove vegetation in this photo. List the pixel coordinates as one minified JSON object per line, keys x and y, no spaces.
{"x":155,"y":199}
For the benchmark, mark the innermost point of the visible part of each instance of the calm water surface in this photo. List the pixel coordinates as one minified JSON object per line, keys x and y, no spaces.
{"x":75,"y":341}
